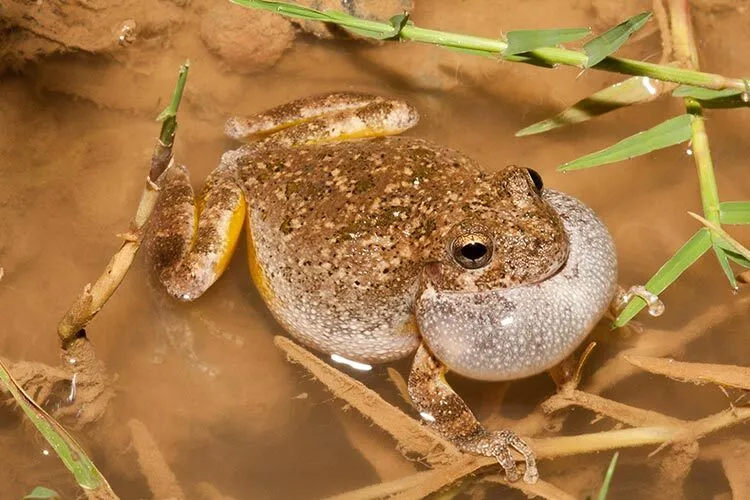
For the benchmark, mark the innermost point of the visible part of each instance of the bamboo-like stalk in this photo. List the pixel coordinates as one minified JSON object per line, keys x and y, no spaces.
{"x":551,"y":56}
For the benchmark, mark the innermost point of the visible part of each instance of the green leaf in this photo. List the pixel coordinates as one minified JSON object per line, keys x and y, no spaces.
{"x":363,"y":27}
{"x":398,"y":22}
{"x":671,"y":132}
{"x":69,"y":451}
{"x":702,"y":93}
{"x":737,"y":258}
{"x":734,"y":212}
{"x":42,"y":493}
{"x":526,"y":40}
{"x":721,"y":237}
{"x":727,"y":98}
{"x":668,"y":273}
{"x":607,"y":43}
{"x":604,"y":490}
{"x":723,"y":259}
{"x":286,"y":9}
{"x":635,"y":90}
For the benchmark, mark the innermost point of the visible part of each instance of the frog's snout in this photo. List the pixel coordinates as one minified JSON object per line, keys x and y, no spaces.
{"x":514,"y":332}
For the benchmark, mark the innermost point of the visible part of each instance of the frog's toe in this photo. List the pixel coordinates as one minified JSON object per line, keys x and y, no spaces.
{"x":500,"y":448}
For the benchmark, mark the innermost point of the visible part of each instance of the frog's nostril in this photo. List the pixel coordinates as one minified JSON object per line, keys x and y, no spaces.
{"x":474,"y":251}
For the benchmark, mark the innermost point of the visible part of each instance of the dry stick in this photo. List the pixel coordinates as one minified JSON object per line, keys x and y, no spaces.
{"x":637,"y":417}
{"x":695,"y":373}
{"x":655,"y":342}
{"x":418,"y":438}
{"x":409,"y":433}
{"x":160,"y":478}
{"x":540,"y":488}
{"x":734,"y":456}
{"x":93,"y":297}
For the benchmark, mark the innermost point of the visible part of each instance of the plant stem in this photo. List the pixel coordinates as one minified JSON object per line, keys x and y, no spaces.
{"x":549,"y":56}
{"x":95,"y":295}
{"x":687,"y":53}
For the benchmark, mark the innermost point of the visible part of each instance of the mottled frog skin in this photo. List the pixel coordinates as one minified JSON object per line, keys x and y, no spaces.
{"x":372,"y":246}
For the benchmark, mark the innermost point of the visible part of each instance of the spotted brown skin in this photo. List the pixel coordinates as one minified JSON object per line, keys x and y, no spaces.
{"x":372,"y":246}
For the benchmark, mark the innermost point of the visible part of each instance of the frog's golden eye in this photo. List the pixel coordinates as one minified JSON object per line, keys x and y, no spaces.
{"x":472,"y":250}
{"x":537,"y":179}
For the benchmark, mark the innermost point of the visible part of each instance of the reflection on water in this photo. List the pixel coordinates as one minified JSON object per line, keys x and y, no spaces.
{"x":77,"y":135}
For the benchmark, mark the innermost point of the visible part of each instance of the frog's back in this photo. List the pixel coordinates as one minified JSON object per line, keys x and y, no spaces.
{"x":337,"y":233}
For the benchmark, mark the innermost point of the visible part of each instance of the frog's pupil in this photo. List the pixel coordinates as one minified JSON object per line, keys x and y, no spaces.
{"x":473,"y":251}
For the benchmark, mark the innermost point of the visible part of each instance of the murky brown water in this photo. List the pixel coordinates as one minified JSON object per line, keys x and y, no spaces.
{"x":77,"y":132}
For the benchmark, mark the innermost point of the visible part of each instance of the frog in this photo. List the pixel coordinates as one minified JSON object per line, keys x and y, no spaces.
{"x":372,"y":246}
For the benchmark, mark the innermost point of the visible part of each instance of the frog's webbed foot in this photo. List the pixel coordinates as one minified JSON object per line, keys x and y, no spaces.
{"x":324,"y":118}
{"x":449,"y":415}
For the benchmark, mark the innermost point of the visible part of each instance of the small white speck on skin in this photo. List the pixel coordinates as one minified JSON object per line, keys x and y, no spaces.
{"x":426,"y":416}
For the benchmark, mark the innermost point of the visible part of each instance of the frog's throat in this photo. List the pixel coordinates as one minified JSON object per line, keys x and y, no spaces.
{"x":510,"y":333}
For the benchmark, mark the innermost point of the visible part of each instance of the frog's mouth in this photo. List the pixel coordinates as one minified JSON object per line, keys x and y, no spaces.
{"x":514,"y":332}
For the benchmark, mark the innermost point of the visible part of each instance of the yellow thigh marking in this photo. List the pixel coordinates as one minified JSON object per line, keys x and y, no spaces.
{"x":257,"y":272}
{"x":232,"y":236}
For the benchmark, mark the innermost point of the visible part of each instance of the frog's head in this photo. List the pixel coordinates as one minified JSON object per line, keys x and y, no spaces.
{"x":520,"y":283}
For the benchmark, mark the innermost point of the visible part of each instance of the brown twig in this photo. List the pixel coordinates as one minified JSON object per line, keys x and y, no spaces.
{"x":93,"y":297}
{"x":161,"y":480}
{"x":412,"y":436}
{"x":695,"y":373}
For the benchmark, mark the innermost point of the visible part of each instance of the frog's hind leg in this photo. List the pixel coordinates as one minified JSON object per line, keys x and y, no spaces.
{"x":447,"y":413}
{"x":325,"y":118}
{"x":191,"y":241}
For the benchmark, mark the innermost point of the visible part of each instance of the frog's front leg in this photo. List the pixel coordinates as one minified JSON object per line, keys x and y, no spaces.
{"x":447,"y":413}
{"x":191,"y":241}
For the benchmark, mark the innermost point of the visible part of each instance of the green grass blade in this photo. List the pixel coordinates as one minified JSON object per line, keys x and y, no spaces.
{"x":671,"y":132}
{"x":364,"y":27}
{"x":42,"y":493}
{"x":607,"y":43}
{"x":636,"y":90}
{"x":737,"y":258}
{"x":721,"y":256}
{"x":685,"y":257}
{"x":726,"y":240}
{"x":525,"y":40}
{"x":604,"y":490}
{"x":734,"y":212}
{"x":69,"y":451}
{"x":703,"y":94}
{"x":285,"y":9}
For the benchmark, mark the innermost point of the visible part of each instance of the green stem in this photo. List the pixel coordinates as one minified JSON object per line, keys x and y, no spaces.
{"x":168,"y":117}
{"x":687,"y":52}
{"x":162,"y":154}
{"x":704,"y":164}
{"x":550,"y":56}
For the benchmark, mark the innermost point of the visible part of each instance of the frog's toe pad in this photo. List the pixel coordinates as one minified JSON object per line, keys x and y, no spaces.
{"x":500,"y":448}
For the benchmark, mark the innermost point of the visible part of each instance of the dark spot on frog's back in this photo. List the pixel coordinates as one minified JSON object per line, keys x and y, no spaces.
{"x":363,"y":185}
{"x":286,"y":226}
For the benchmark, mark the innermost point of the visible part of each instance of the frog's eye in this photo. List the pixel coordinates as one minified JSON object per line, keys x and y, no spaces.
{"x":537,"y":179}
{"x":472,"y":251}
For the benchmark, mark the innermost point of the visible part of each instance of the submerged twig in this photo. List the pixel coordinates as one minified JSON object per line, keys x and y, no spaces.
{"x":410,"y":435}
{"x":159,"y":476}
{"x":695,"y":373}
{"x":630,"y":415}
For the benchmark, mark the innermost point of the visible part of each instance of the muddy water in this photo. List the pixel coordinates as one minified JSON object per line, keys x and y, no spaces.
{"x":221,"y":402}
